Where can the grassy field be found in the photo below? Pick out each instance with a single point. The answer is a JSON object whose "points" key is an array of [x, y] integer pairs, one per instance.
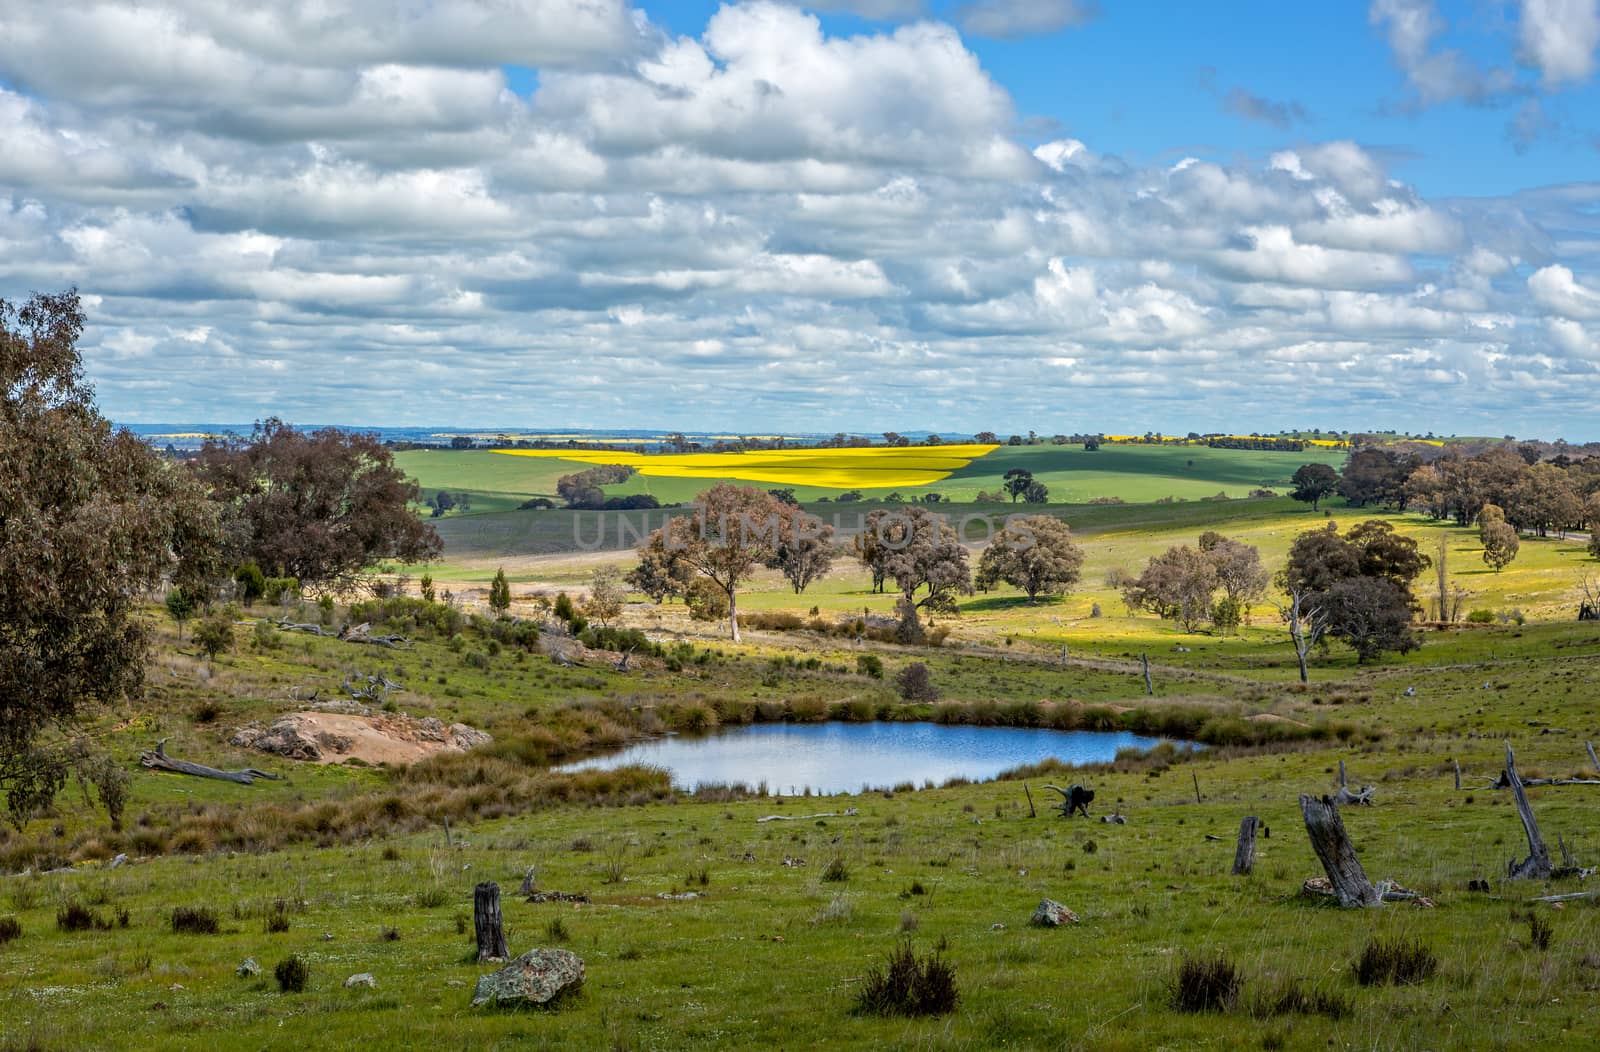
{"points": [[773, 955]]}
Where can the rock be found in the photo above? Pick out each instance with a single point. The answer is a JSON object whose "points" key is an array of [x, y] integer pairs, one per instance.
{"points": [[361, 979], [997, 926], [1051, 914], [537, 977], [327, 936], [469, 737], [248, 969], [119, 860], [286, 737]]}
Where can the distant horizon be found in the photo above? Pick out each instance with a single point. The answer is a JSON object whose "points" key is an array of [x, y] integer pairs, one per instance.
{"points": [[147, 428]]}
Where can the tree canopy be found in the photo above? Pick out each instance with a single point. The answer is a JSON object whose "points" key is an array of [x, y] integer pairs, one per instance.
{"points": [[319, 506], [91, 519], [1035, 553]]}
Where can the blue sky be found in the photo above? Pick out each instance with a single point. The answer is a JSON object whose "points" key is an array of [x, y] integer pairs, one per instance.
{"points": [[978, 214]]}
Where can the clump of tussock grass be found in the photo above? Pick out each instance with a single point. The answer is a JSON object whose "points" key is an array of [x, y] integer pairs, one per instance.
{"points": [[556, 930], [1297, 997], [836, 870], [1540, 930], [1205, 983], [193, 920], [75, 916], [10, 929], [1397, 961], [909, 985], [292, 975]]}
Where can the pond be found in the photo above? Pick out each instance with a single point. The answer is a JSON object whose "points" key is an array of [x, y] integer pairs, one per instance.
{"points": [[847, 757]]}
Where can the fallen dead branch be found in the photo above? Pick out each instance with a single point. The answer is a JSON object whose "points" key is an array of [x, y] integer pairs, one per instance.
{"points": [[160, 761]]}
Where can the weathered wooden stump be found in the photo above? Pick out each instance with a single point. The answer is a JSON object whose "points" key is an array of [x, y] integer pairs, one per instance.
{"points": [[1244, 856], [1332, 845], [1537, 865], [488, 923]]}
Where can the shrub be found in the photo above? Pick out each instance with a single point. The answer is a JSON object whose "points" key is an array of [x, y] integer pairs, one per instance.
{"points": [[869, 665], [1205, 984], [10, 928], [915, 683], [193, 920], [214, 636], [1395, 961], [908, 985], [291, 973], [1481, 617]]}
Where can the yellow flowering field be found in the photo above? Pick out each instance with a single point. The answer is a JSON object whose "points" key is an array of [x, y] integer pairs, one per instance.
{"points": [[865, 468]]}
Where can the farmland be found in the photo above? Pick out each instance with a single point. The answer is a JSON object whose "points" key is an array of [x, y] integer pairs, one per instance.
{"points": [[1133, 473], [701, 929]]}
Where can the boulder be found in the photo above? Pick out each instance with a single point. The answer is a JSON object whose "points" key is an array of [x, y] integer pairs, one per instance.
{"points": [[536, 978], [248, 969], [469, 737], [286, 737], [366, 979], [1051, 914]]}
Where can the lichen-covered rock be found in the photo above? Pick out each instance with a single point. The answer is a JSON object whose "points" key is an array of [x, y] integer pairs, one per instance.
{"points": [[366, 979], [536, 978], [248, 969], [1051, 914]]}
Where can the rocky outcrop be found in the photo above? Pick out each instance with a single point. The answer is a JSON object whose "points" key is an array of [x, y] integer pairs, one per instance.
{"points": [[328, 736], [538, 977]]}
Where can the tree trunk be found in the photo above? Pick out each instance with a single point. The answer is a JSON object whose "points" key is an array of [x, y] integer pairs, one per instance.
{"points": [[733, 616], [1338, 857], [1244, 856], [488, 923], [1149, 688], [1537, 865]]}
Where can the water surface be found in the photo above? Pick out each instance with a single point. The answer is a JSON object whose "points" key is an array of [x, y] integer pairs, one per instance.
{"points": [[845, 757]]}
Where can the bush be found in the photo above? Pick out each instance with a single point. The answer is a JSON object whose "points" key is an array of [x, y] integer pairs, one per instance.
{"points": [[1394, 961], [706, 600], [291, 973], [915, 683], [193, 920], [10, 928], [869, 665], [1205, 984], [1481, 617], [907, 985], [214, 636]]}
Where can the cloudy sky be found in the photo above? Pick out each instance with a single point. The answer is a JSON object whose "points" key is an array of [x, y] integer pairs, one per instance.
{"points": [[870, 214]]}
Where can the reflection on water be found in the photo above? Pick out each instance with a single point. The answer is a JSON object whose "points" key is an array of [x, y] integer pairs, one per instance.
{"points": [[846, 757]]}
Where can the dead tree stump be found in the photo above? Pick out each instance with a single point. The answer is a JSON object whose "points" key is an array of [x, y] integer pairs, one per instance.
{"points": [[1338, 857], [1537, 865], [1244, 856], [488, 923]]}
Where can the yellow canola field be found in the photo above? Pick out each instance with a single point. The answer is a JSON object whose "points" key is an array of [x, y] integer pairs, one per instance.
{"points": [[879, 467]]}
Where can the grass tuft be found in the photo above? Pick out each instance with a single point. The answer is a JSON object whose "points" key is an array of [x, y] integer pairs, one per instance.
{"points": [[909, 985], [1396, 961], [1205, 983]]}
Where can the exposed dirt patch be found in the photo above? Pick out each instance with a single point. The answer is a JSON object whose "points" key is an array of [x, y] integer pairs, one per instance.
{"points": [[372, 737]]}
